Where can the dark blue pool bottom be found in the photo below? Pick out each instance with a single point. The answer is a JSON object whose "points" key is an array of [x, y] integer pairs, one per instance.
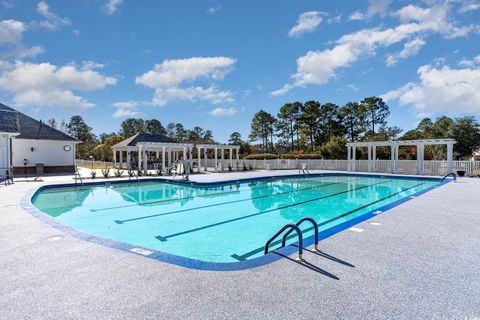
{"points": [[27, 205]]}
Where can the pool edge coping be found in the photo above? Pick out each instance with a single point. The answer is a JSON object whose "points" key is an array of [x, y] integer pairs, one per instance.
{"points": [[27, 205]]}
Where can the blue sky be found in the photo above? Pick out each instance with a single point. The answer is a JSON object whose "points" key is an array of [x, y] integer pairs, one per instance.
{"points": [[216, 63]]}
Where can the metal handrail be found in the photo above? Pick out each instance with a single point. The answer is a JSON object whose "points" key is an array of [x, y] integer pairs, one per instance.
{"points": [[299, 234], [315, 228], [450, 174], [77, 174], [9, 174], [133, 173]]}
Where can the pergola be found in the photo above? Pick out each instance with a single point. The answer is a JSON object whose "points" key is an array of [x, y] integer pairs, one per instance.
{"points": [[394, 148], [169, 151], [216, 148]]}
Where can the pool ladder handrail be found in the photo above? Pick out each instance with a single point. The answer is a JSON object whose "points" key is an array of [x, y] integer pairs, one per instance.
{"points": [[77, 176], [454, 176], [132, 173], [315, 229], [290, 226], [303, 168]]}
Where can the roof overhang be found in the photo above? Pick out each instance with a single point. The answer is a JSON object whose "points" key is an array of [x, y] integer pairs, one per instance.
{"points": [[401, 143]]}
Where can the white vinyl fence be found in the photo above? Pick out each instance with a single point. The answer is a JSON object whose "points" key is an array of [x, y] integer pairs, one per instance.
{"points": [[434, 168]]}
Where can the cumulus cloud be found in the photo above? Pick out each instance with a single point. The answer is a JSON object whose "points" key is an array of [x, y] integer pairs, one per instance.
{"points": [[357, 16], [318, 67], [44, 84], [307, 22], [112, 6], [411, 48], [169, 78], [213, 10], [219, 112], [468, 6], [11, 37], [127, 109], [374, 7], [441, 89], [52, 21], [470, 62]]}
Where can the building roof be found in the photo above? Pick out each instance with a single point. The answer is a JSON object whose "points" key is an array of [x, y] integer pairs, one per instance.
{"points": [[29, 128], [144, 137]]}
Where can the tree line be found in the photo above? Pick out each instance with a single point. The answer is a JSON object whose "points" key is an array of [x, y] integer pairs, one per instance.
{"points": [[324, 129]]}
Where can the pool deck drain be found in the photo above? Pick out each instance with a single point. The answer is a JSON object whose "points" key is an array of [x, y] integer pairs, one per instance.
{"points": [[421, 264]]}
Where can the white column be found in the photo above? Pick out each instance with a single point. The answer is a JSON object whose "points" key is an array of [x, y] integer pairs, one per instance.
{"points": [[163, 158], [216, 158], [128, 159], [190, 158], [354, 158], [374, 156], [185, 153], [238, 153], [157, 154], [169, 156], [392, 158], [139, 158], [205, 164], [145, 163], [349, 155], [420, 156], [222, 155], [121, 156], [395, 163], [369, 164], [198, 155], [231, 157], [115, 156], [449, 157]]}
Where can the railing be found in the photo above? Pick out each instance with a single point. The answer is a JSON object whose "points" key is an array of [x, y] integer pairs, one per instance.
{"points": [[93, 164], [6, 174], [454, 176], [77, 176], [299, 234], [315, 229]]}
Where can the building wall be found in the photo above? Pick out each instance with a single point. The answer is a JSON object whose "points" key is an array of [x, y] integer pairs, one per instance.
{"points": [[50, 153]]}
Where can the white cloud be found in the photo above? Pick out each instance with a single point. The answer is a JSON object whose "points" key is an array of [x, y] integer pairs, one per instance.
{"points": [[219, 112], [112, 6], [470, 62], [213, 10], [52, 21], [124, 113], [307, 22], [318, 67], [11, 37], [44, 84], [127, 109], [127, 104], [411, 48], [378, 7], [357, 16], [441, 89], [168, 77], [468, 6]]}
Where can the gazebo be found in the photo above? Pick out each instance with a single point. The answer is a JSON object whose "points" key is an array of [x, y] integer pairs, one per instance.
{"points": [[143, 148], [394, 148], [145, 151]]}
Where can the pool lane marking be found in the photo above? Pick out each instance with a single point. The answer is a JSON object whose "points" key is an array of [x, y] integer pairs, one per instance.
{"points": [[255, 251], [268, 184], [165, 238], [230, 202]]}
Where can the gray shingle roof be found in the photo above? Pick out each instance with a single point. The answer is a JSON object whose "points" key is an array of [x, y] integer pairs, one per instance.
{"points": [[144, 137], [29, 128]]}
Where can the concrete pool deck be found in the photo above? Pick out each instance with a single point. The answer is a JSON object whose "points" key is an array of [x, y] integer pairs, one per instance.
{"points": [[423, 261]]}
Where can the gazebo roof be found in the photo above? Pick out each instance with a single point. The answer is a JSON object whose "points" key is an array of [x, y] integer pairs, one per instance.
{"points": [[144, 138]]}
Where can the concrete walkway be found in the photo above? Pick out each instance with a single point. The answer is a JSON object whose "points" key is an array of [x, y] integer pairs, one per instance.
{"points": [[422, 262]]}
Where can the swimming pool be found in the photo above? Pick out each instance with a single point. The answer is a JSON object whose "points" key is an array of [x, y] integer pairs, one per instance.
{"points": [[220, 223]]}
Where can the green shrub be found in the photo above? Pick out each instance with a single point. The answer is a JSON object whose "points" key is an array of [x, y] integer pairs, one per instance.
{"points": [[93, 174], [300, 156], [261, 156], [118, 173], [159, 170]]}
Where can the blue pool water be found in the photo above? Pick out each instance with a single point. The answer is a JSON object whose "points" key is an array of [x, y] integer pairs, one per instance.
{"points": [[219, 223]]}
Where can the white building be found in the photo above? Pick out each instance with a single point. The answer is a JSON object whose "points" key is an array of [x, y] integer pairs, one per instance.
{"points": [[27, 144]]}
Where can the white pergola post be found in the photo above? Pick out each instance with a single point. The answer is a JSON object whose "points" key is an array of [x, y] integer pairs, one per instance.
{"points": [[128, 159], [216, 158], [121, 157], [231, 157], [420, 156], [205, 159], [237, 155], [374, 157], [190, 159], [450, 157], [222, 155], [163, 159], [198, 155], [397, 148], [139, 158], [349, 156], [169, 156], [354, 158], [392, 158], [369, 166], [115, 157], [145, 163], [184, 153]]}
